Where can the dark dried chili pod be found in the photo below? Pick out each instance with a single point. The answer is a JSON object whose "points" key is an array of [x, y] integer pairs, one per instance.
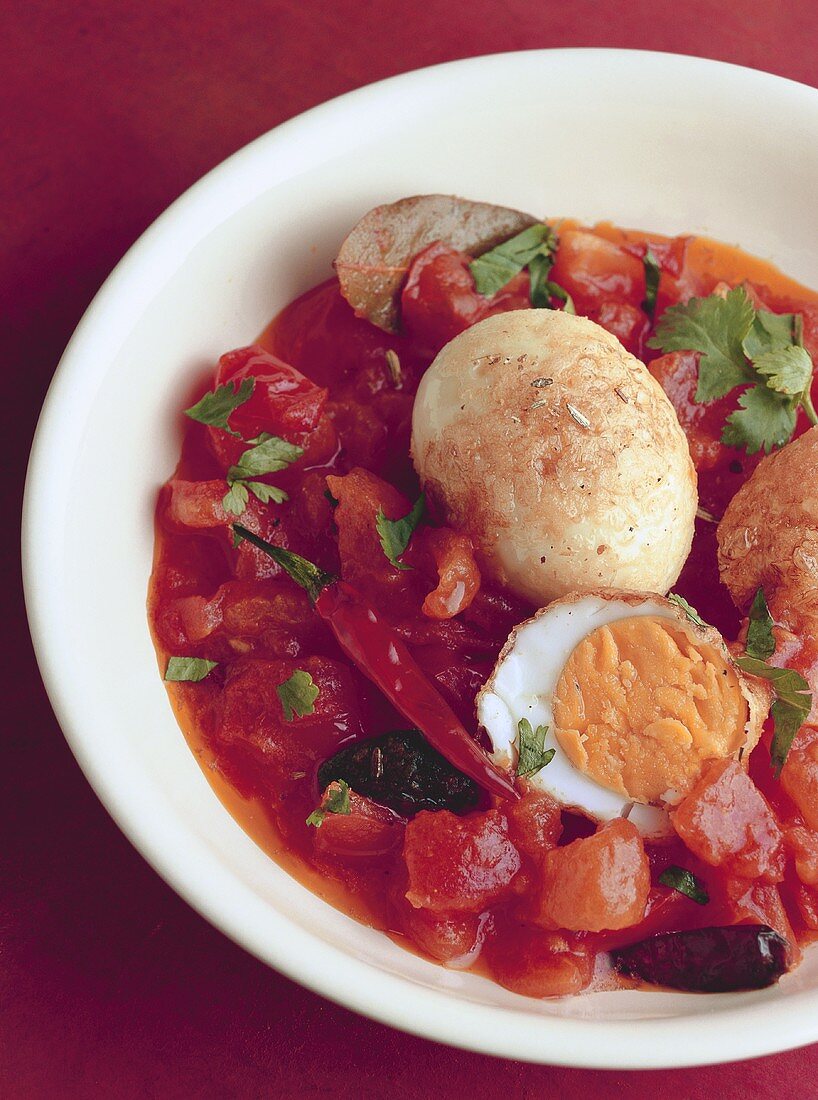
{"points": [[708, 960], [401, 770]]}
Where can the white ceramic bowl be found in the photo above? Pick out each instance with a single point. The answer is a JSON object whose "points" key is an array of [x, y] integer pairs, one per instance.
{"points": [[650, 140]]}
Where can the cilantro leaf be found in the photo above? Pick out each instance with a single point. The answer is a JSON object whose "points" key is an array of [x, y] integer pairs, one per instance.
{"points": [[265, 493], [792, 704], [531, 745], [335, 801], [652, 275], [396, 533], [770, 332], [269, 455], [495, 269], [716, 327], [760, 640], [192, 669], [543, 289], [689, 610], [297, 695], [215, 408], [236, 498], [787, 370], [677, 878], [763, 421]]}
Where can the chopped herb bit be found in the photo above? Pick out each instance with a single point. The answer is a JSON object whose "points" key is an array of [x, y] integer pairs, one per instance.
{"points": [[265, 493], [708, 517], [578, 416], [741, 346], [652, 274], [677, 878], [305, 573], [396, 533], [531, 746], [793, 702], [394, 367], [297, 695], [215, 408], [193, 669], [335, 801], [541, 383], [688, 609], [543, 290], [235, 499], [760, 640], [496, 268], [269, 455]]}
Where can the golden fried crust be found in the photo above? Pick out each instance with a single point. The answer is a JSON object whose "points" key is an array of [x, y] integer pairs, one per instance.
{"points": [[558, 453], [769, 534]]}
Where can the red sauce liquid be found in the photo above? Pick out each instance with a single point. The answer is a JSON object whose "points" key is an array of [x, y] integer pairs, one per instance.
{"points": [[208, 599]]}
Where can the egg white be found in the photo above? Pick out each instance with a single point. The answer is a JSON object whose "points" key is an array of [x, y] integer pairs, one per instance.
{"points": [[523, 685]]}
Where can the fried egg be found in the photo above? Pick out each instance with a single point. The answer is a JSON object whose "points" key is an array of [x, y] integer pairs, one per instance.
{"points": [[637, 698]]}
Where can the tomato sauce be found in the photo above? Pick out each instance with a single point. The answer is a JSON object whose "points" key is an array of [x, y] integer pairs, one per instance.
{"points": [[342, 390]]}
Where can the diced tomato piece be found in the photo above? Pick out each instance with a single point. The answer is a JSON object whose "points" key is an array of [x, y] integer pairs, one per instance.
{"points": [[752, 903], [539, 964], [596, 882], [458, 573], [252, 714], [799, 776], [459, 864], [448, 937], [197, 504], [806, 898], [802, 845], [628, 323], [534, 823], [594, 270], [439, 298], [283, 403], [726, 821], [367, 830]]}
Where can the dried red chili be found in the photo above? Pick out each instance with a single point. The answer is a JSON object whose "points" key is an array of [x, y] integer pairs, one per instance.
{"points": [[380, 654]]}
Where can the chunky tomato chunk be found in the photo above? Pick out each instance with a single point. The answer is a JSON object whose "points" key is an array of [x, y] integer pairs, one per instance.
{"points": [[454, 938], [283, 403], [802, 845], [367, 830], [629, 324], [458, 574], [459, 864], [799, 776], [596, 882], [535, 823], [726, 821], [539, 964], [594, 270], [440, 300]]}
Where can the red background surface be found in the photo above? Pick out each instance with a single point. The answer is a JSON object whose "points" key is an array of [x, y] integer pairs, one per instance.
{"points": [[109, 984]]}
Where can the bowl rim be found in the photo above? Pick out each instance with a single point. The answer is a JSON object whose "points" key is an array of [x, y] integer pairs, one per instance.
{"points": [[755, 1028]]}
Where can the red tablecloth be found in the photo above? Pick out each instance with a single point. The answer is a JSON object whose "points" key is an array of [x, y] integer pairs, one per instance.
{"points": [[109, 984]]}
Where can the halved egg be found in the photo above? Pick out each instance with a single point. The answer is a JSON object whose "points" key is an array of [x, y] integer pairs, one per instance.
{"points": [[637, 698]]}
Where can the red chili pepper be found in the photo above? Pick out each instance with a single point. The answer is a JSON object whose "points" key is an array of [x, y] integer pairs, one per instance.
{"points": [[381, 655]]}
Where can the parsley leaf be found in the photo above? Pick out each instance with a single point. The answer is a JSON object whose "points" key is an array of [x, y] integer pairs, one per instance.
{"points": [[188, 668], [396, 533], [215, 408], [690, 611], [677, 878], [716, 327], [297, 695], [793, 702], [495, 269], [266, 493], [532, 753], [335, 801], [763, 421], [235, 499], [760, 640], [269, 455], [652, 275]]}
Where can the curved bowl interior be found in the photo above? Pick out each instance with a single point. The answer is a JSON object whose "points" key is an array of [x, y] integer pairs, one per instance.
{"points": [[648, 140]]}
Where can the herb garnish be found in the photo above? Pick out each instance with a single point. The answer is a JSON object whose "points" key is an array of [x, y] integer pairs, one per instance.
{"points": [[742, 346], [396, 533], [652, 274], [297, 695], [192, 669], [760, 641], [689, 610], [394, 367], [677, 878], [531, 746], [335, 801], [793, 702], [534, 248], [268, 455], [215, 408]]}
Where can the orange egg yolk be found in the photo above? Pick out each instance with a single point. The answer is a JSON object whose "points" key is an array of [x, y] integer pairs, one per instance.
{"points": [[642, 704]]}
